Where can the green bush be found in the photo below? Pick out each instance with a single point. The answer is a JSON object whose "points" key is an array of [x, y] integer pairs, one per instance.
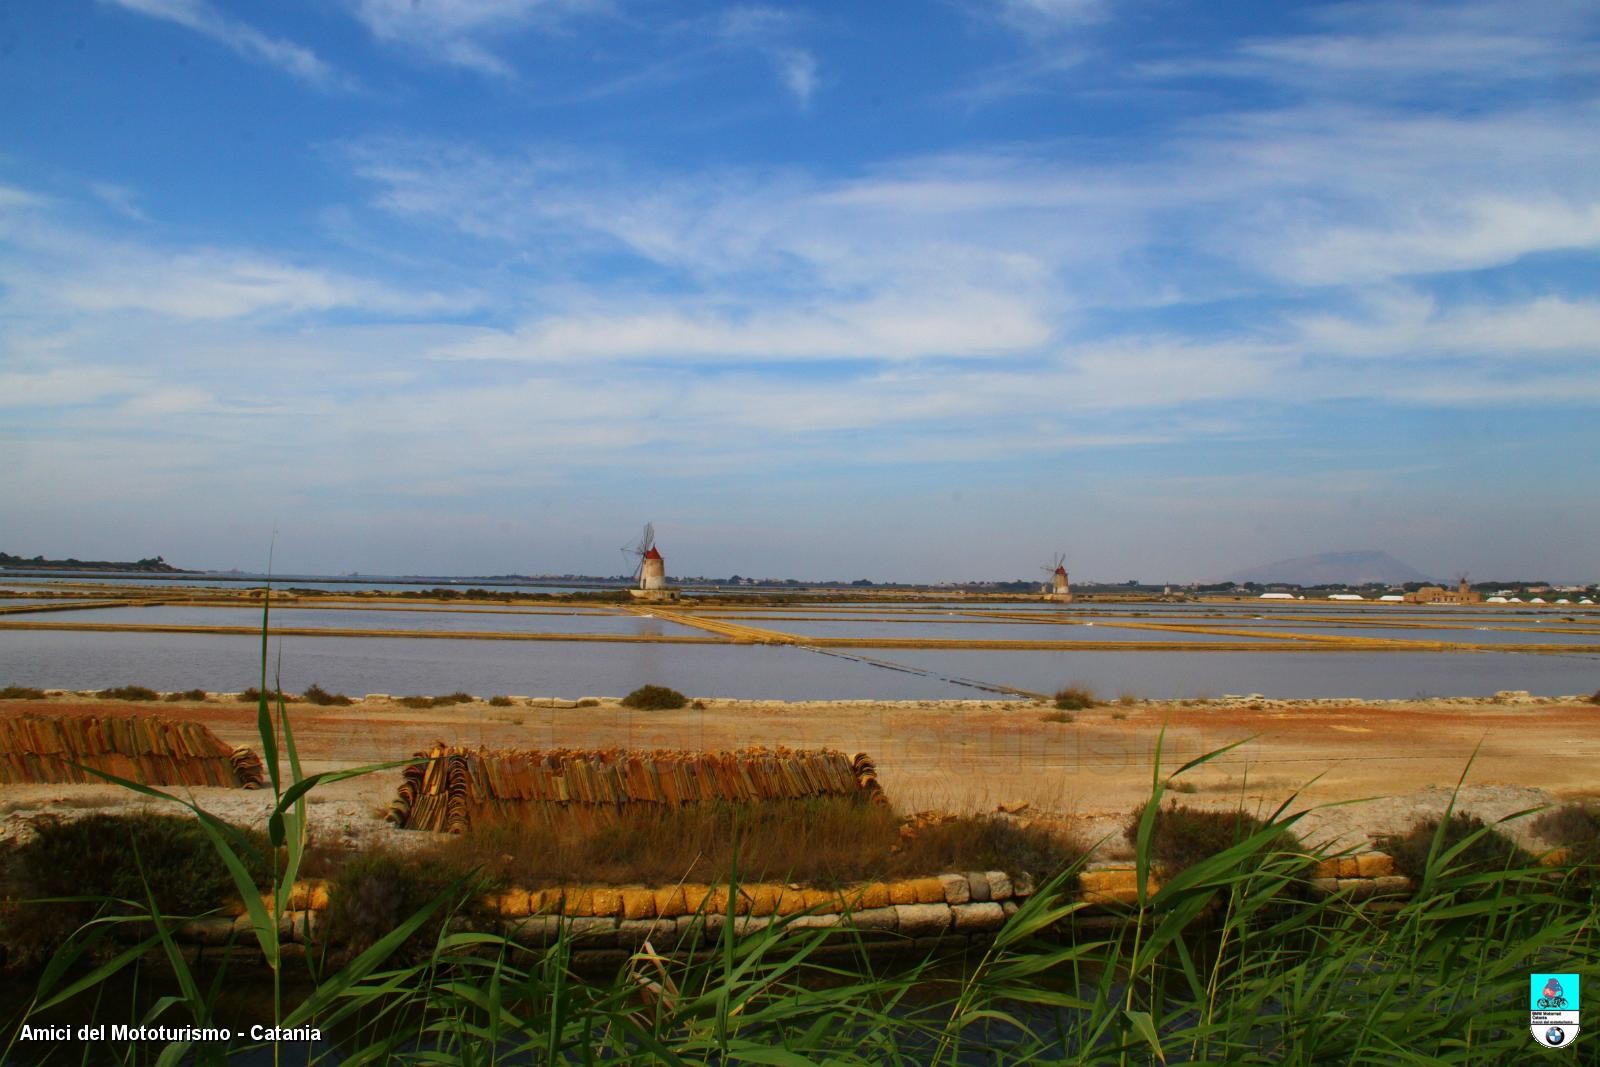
{"points": [[654, 698], [378, 889], [1490, 850], [21, 692], [434, 702], [315, 694], [187, 694], [113, 857], [1575, 827], [1183, 836], [1075, 697], [128, 692]]}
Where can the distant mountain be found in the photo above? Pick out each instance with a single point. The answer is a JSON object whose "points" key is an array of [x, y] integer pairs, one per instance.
{"points": [[1334, 568]]}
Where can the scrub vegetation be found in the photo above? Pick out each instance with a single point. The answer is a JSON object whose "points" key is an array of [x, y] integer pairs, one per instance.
{"points": [[654, 698], [129, 692], [1076, 697]]}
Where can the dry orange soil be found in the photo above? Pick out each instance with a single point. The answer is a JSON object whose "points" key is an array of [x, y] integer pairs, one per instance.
{"points": [[1399, 759]]}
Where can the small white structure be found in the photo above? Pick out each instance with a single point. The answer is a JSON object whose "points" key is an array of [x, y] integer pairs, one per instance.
{"points": [[653, 575], [1497, 600], [1563, 600], [1392, 598], [1276, 596], [1346, 596], [1059, 588], [1586, 600], [1537, 600]]}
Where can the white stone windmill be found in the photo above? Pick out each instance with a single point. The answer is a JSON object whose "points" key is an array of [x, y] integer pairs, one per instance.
{"points": [[650, 574], [1056, 586]]}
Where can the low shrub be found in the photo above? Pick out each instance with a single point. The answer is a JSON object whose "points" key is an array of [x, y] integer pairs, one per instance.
{"points": [[1075, 697], [654, 698], [501, 702], [21, 692], [1490, 850], [1183, 836], [378, 889], [1174, 785], [1127, 700], [187, 694], [587, 702], [990, 843], [1057, 716], [434, 702], [1596, 698], [113, 857], [315, 694], [1575, 827], [128, 692]]}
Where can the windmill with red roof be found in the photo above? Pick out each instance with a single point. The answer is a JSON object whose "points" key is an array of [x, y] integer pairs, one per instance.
{"points": [[650, 574]]}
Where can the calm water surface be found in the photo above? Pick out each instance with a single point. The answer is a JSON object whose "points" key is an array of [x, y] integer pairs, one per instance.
{"points": [[323, 618], [85, 660]]}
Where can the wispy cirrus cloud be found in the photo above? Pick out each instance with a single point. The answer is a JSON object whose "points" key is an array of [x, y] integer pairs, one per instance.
{"points": [[775, 34], [199, 16], [463, 32], [51, 264], [1381, 50]]}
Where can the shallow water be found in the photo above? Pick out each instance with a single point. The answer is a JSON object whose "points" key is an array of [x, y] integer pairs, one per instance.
{"points": [[969, 630], [89, 660], [86, 660], [1372, 675], [358, 619]]}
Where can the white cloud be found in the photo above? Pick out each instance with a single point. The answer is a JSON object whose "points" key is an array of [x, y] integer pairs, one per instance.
{"points": [[215, 284], [243, 38], [1412, 325], [64, 386], [1368, 50], [797, 69], [888, 328], [1453, 235], [458, 32], [49, 265], [1047, 16]]}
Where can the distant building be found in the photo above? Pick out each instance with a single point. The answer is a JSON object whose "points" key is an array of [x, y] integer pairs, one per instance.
{"points": [[1060, 587], [1438, 594], [653, 575]]}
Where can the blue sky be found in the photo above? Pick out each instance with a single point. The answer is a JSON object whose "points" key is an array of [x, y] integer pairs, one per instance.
{"points": [[904, 291]]}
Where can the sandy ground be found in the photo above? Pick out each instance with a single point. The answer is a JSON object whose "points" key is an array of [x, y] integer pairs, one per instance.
{"points": [[1394, 760]]}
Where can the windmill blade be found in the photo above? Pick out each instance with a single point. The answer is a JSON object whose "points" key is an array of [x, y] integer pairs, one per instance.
{"points": [[648, 541]]}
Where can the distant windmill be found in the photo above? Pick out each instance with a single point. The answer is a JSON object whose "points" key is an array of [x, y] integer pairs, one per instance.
{"points": [[1056, 586], [650, 573]]}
